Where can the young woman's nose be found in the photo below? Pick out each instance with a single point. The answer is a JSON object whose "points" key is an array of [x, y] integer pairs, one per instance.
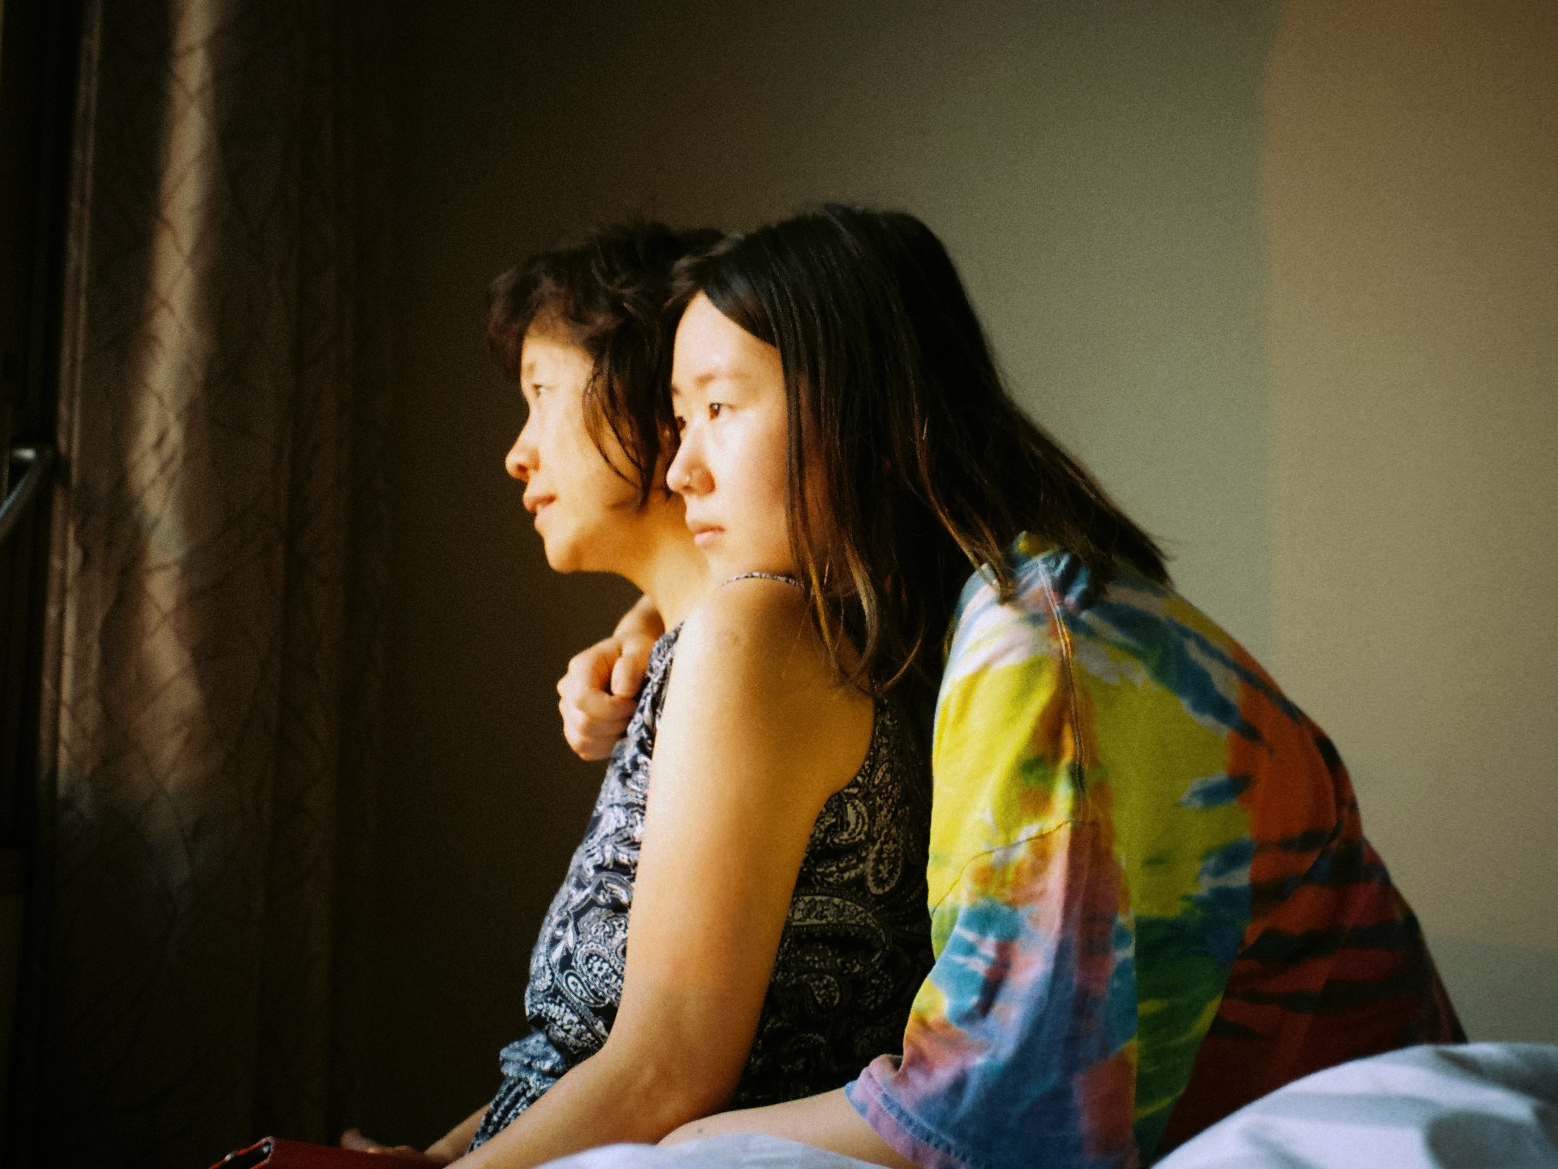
{"points": [[687, 474], [521, 459]]}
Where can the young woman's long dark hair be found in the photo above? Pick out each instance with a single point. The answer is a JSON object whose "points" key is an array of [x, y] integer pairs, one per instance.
{"points": [[607, 294], [931, 468]]}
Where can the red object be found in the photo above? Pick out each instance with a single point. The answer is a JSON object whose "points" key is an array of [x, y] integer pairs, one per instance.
{"points": [[275, 1153]]}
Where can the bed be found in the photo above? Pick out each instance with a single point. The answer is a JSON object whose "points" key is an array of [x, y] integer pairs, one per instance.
{"points": [[1472, 1106]]}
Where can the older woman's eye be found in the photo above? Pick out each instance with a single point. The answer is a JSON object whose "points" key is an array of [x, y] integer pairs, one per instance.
{"points": [[680, 423], [715, 409]]}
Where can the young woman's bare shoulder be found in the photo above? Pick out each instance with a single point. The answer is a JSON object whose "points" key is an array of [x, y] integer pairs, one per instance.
{"points": [[756, 626], [753, 605], [750, 669]]}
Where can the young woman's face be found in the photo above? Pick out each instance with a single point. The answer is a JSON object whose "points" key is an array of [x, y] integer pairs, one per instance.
{"points": [[727, 389], [584, 510]]}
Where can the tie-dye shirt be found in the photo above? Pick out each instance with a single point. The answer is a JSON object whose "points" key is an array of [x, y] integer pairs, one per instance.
{"points": [[1152, 900]]}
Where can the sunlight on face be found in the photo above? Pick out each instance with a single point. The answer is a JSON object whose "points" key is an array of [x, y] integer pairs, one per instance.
{"points": [[584, 510], [727, 389]]}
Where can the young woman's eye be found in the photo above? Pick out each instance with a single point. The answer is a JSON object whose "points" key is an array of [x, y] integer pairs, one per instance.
{"points": [[715, 409], [681, 423]]}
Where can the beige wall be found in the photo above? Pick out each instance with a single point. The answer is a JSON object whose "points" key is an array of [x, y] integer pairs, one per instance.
{"points": [[1097, 170], [1411, 177]]}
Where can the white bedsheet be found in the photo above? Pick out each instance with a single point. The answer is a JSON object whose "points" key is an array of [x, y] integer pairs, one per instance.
{"points": [[1477, 1106], [737, 1151]]}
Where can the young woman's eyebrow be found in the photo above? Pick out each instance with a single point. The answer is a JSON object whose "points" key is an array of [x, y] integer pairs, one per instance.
{"points": [[708, 377], [680, 389]]}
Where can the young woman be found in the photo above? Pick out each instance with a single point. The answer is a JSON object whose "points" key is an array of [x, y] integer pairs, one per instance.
{"points": [[764, 819], [1152, 897]]}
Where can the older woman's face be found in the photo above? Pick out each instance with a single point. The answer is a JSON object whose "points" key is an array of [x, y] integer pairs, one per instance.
{"points": [[584, 511]]}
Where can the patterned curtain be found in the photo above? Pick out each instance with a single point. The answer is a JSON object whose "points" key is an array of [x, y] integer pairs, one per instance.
{"points": [[216, 591]]}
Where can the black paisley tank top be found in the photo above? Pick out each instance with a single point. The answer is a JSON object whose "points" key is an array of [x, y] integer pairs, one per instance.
{"points": [[854, 949]]}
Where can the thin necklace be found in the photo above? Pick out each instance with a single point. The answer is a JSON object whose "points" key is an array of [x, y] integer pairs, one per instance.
{"points": [[783, 578]]}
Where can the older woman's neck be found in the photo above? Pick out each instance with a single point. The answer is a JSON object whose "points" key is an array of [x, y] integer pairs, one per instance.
{"points": [[672, 572]]}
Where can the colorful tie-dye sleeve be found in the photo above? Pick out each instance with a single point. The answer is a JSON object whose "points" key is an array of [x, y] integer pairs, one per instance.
{"points": [[1014, 1055], [1024, 1031], [1151, 895]]}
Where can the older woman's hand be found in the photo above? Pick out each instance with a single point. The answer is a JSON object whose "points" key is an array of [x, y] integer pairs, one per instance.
{"points": [[597, 695]]}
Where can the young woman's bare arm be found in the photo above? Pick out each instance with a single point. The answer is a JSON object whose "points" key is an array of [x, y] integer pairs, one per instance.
{"points": [[825, 1122], [454, 1142], [735, 790]]}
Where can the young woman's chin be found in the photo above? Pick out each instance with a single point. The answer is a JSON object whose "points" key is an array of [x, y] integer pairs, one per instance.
{"points": [[728, 554]]}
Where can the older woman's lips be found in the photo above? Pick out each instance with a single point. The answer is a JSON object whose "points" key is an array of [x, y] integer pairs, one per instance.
{"points": [[536, 504]]}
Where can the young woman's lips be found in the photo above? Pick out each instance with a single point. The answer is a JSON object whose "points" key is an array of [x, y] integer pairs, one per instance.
{"points": [[702, 534]]}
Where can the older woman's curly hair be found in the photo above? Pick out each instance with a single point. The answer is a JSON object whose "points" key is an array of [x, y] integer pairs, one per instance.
{"points": [[609, 296]]}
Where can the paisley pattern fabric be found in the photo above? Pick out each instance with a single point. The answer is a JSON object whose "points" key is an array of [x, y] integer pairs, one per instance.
{"points": [[1153, 900], [853, 951]]}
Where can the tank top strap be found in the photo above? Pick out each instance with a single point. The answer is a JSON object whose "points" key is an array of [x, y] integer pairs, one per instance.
{"points": [[781, 577]]}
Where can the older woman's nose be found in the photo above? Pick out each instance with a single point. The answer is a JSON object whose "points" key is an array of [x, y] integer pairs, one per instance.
{"points": [[520, 461]]}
